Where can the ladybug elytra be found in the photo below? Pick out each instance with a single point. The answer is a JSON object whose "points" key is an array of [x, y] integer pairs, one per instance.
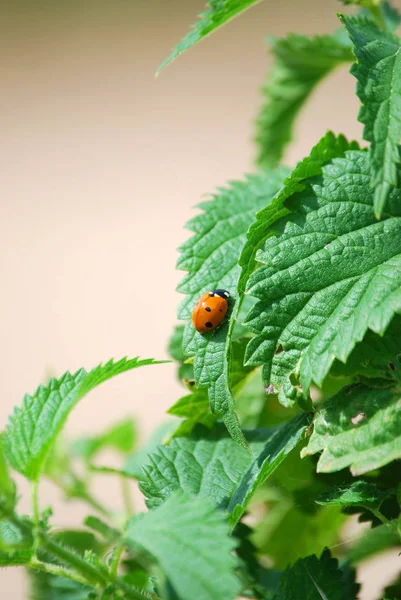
{"points": [[210, 310]]}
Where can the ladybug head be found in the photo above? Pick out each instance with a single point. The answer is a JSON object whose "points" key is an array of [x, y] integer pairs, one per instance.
{"points": [[222, 293]]}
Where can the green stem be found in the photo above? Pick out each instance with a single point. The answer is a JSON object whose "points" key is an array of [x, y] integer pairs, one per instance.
{"points": [[376, 12], [38, 565], [115, 561], [89, 572], [127, 498], [379, 515], [35, 514], [70, 492]]}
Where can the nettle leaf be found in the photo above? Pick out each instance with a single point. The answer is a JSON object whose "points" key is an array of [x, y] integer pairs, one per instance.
{"points": [[326, 149], [209, 464], [49, 587], [300, 63], [194, 408], [358, 428], [16, 543], [376, 360], [378, 72], [329, 273], [216, 14], [211, 259], [189, 539], [175, 350], [358, 493], [133, 466], [317, 579], [110, 534], [33, 428], [283, 440]]}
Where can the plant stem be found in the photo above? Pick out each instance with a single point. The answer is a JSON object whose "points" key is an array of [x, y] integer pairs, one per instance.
{"points": [[84, 495], [89, 572], [127, 498], [376, 12], [379, 515], [35, 514], [115, 561], [55, 570]]}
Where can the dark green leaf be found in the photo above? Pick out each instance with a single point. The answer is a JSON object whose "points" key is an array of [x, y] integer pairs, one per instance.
{"points": [[189, 539], [378, 72], [216, 14], [315, 578], [359, 493], [359, 427], [284, 439], [33, 428], [300, 63], [49, 587], [329, 273]]}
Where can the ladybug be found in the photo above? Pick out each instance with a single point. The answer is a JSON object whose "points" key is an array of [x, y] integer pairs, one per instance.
{"points": [[210, 310]]}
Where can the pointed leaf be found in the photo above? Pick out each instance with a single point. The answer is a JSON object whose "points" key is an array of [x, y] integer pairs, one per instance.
{"points": [[189, 539], [8, 496], [211, 259], [216, 14], [358, 493], [33, 428], [300, 63], [378, 72], [316, 579], [358, 428], [330, 271], [284, 439], [209, 464]]}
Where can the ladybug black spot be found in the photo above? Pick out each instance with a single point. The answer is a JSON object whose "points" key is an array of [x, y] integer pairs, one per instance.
{"points": [[209, 324], [208, 309]]}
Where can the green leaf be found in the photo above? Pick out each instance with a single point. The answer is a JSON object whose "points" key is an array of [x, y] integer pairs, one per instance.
{"points": [[194, 408], [211, 259], [216, 14], [209, 464], [50, 587], [326, 149], [316, 579], [329, 273], [358, 493], [175, 350], [284, 439], [120, 437], [375, 360], [16, 543], [189, 539], [300, 63], [8, 496], [33, 428], [359, 427], [378, 72]]}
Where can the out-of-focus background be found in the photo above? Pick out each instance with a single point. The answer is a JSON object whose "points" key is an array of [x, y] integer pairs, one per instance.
{"points": [[101, 166]]}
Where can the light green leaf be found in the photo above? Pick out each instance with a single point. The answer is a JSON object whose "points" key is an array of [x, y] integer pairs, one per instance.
{"points": [[175, 350], [8, 496], [120, 437], [189, 539], [194, 408], [209, 464], [211, 259], [216, 14], [16, 543], [300, 63], [358, 493], [33, 428], [50, 587], [358, 428], [330, 271], [284, 439], [378, 72], [316, 579]]}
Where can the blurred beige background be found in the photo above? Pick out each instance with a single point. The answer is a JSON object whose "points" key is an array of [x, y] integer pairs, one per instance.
{"points": [[101, 165]]}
